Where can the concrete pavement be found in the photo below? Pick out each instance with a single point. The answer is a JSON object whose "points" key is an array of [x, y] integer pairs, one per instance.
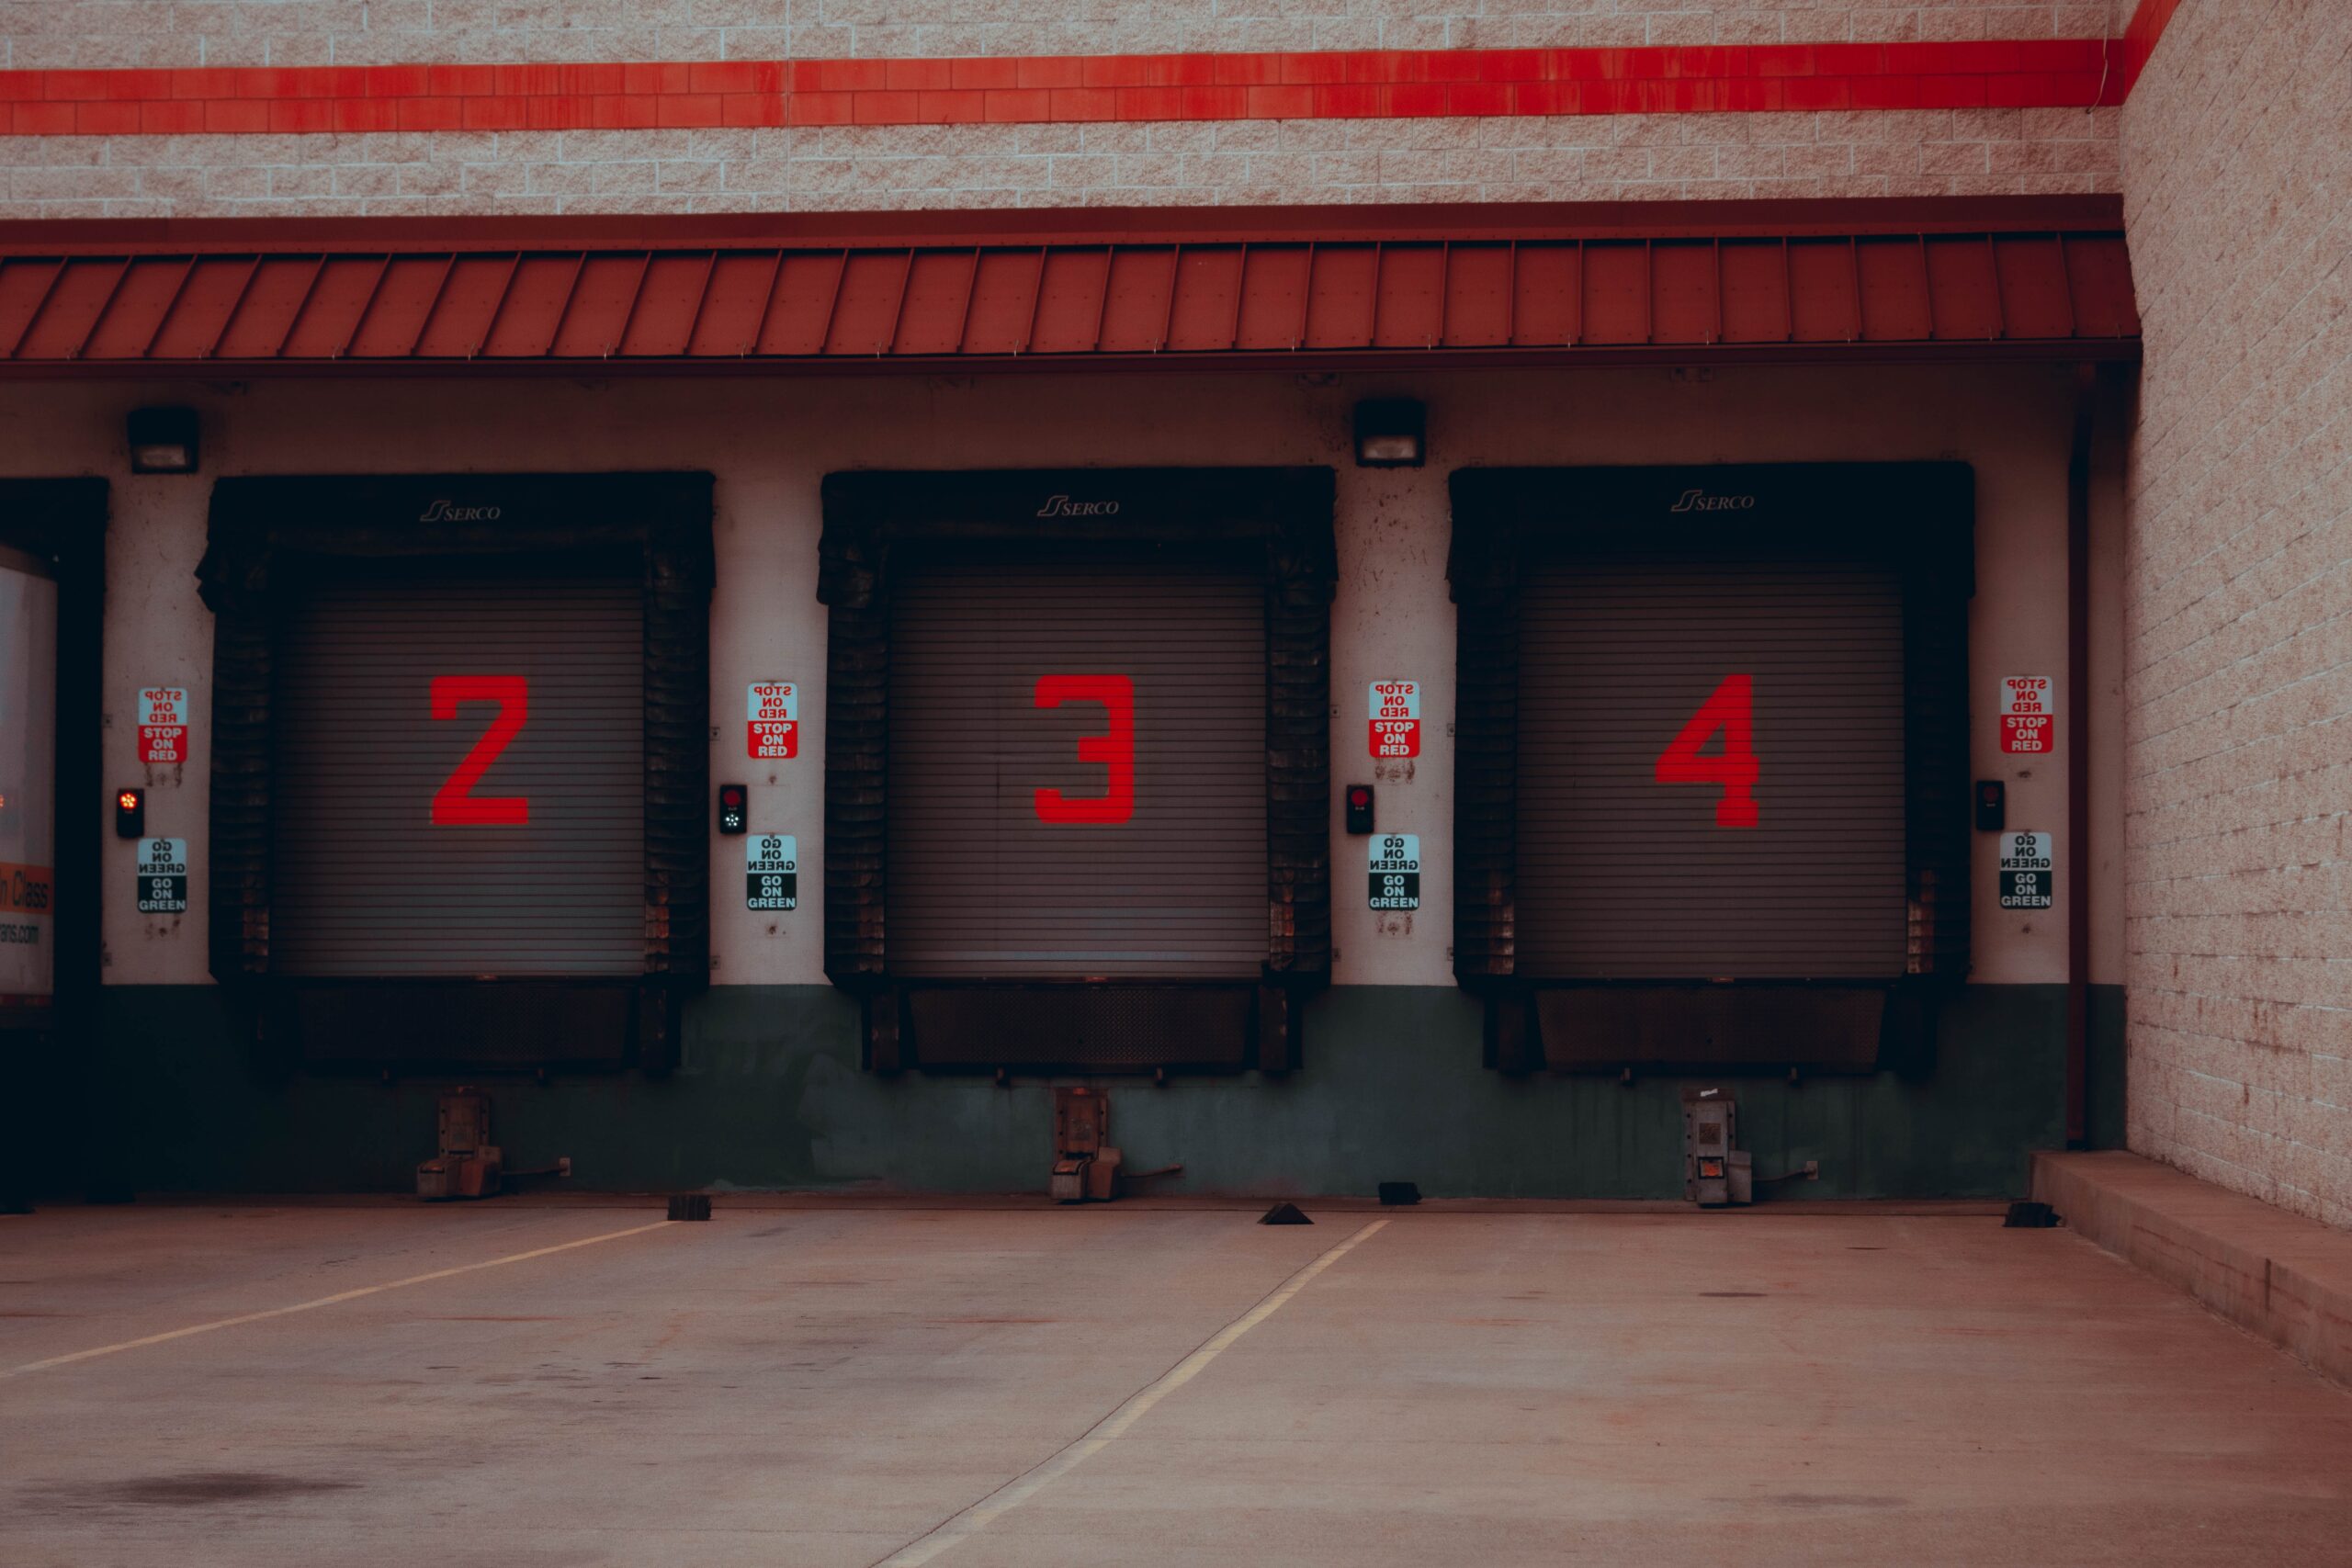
{"points": [[820, 1386]]}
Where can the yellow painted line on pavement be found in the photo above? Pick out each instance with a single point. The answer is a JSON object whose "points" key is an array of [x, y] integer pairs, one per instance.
{"points": [[334, 1300], [1027, 1485]]}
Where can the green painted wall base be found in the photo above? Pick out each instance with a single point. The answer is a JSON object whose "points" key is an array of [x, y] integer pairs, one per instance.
{"points": [[768, 1094]]}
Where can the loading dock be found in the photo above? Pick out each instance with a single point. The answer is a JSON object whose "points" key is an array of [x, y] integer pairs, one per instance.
{"points": [[1716, 739], [460, 778], [52, 574], [1077, 780]]}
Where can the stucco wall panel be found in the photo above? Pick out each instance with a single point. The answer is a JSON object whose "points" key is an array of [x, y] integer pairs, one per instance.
{"points": [[157, 632], [2238, 575]]}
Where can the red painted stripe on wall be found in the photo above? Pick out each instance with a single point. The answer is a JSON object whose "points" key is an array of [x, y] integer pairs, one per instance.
{"points": [[2140, 36], [1371, 85]]}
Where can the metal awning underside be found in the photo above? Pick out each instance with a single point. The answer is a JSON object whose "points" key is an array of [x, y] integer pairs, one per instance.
{"points": [[1378, 288]]}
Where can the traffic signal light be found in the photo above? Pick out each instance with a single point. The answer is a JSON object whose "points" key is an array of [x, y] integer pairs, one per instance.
{"points": [[1992, 805]]}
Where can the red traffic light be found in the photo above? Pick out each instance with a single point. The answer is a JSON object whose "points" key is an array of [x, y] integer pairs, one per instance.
{"points": [[130, 814], [1992, 804], [1359, 800]]}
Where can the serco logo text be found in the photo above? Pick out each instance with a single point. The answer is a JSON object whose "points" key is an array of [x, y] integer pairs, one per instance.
{"points": [[442, 511], [1063, 506], [1700, 500]]}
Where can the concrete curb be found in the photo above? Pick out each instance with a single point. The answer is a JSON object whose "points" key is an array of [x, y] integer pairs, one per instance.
{"points": [[2286, 1278]]}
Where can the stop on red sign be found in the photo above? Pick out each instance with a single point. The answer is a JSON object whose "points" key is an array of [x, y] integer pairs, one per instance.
{"points": [[162, 724], [773, 715], [2027, 715], [1395, 718]]}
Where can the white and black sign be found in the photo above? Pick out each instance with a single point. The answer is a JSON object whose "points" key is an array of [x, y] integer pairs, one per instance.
{"points": [[163, 876], [772, 872], [1397, 870], [2029, 873]]}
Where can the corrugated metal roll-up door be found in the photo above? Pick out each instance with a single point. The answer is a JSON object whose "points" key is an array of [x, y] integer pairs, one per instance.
{"points": [[980, 884], [391, 862], [1624, 875], [27, 779]]}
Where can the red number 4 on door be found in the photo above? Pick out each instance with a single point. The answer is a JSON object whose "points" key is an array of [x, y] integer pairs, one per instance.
{"points": [[1731, 709]]}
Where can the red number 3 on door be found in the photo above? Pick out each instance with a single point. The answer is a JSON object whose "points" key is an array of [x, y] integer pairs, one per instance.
{"points": [[455, 804], [1730, 708], [1116, 748]]}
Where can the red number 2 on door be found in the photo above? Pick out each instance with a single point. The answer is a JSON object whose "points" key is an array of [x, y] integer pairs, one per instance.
{"points": [[455, 802], [1731, 709]]}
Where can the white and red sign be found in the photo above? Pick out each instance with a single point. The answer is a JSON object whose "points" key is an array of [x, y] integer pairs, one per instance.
{"points": [[162, 724], [1395, 718], [773, 715], [2028, 715]]}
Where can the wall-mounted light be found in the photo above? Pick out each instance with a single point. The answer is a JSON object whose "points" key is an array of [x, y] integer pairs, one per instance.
{"points": [[1391, 432], [163, 441]]}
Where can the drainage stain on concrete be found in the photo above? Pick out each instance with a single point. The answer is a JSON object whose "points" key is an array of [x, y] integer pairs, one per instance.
{"points": [[188, 1489]]}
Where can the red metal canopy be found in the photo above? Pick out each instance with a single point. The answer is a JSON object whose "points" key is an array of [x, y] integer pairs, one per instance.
{"points": [[1435, 286]]}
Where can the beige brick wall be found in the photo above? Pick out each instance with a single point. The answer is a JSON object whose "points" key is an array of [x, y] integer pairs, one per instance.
{"points": [[1941, 152], [1935, 152], [107, 34], [2238, 622]]}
